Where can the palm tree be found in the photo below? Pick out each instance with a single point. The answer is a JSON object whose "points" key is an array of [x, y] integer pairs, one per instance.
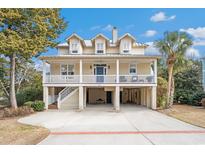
{"points": [[173, 47]]}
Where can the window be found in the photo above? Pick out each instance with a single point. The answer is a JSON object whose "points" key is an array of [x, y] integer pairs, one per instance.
{"points": [[100, 48], [67, 69], [132, 68], [126, 47], [74, 47]]}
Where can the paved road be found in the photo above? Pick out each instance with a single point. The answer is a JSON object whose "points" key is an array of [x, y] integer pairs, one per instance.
{"points": [[100, 125]]}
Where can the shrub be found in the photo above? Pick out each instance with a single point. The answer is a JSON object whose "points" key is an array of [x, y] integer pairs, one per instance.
{"points": [[188, 86], [38, 105], [21, 111], [161, 92], [29, 94], [29, 103]]}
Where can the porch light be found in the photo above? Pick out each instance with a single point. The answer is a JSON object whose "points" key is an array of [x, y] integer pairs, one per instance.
{"points": [[108, 66], [90, 66]]}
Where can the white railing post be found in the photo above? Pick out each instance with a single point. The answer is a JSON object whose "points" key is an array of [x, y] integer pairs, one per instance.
{"points": [[117, 70], [81, 71], [155, 71]]}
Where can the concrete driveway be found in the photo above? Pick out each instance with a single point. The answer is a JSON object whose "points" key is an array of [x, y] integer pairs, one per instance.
{"points": [[98, 124]]}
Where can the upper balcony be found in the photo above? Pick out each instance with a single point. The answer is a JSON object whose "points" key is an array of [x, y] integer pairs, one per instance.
{"points": [[100, 79], [101, 71]]}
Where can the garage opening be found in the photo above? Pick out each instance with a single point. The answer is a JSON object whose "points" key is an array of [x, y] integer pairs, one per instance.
{"points": [[99, 96], [130, 96]]}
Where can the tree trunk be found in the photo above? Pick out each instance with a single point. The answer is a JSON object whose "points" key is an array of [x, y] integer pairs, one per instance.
{"points": [[172, 93], [12, 92], [170, 76]]}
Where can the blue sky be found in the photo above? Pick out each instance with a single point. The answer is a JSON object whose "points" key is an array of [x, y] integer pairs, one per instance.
{"points": [[147, 25]]}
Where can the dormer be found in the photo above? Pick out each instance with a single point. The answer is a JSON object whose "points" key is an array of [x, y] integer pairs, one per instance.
{"points": [[100, 43], [75, 44], [126, 43]]}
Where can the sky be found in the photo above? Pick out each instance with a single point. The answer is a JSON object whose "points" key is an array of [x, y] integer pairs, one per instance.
{"points": [[147, 25]]}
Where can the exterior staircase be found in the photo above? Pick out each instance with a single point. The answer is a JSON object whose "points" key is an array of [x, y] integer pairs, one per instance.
{"points": [[68, 98]]}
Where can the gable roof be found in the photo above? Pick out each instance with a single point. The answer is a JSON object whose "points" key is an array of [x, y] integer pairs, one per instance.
{"points": [[74, 35], [127, 34], [100, 34]]}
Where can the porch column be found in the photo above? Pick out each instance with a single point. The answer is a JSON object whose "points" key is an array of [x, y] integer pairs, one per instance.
{"points": [[117, 70], [148, 97], [45, 96], [44, 71], [84, 96], [153, 98], [117, 98], [81, 97], [155, 71], [81, 71]]}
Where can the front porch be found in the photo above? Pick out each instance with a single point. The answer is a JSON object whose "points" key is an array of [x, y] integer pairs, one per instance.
{"points": [[98, 71]]}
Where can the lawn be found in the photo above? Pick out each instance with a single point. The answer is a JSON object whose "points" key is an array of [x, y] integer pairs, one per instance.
{"points": [[12, 132], [190, 114]]}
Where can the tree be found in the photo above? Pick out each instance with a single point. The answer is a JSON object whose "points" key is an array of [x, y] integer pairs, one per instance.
{"points": [[25, 33], [173, 47], [188, 83]]}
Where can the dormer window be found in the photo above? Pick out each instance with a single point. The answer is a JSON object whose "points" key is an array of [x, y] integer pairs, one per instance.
{"points": [[126, 47], [100, 48], [74, 48]]}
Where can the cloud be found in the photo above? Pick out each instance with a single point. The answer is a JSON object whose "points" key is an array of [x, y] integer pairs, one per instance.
{"points": [[150, 33], [198, 32], [161, 16], [107, 28], [192, 53], [199, 43], [95, 27], [151, 50]]}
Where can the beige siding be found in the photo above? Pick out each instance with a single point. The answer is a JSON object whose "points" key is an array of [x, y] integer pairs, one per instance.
{"points": [[87, 70], [112, 70], [113, 50], [143, 69], [124, 68], [55, 69], [63, 50], [99, 94], [137, 50]]}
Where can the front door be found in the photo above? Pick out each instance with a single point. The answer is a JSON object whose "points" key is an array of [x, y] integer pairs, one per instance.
{"points": [[109, 97], [100, 74]]}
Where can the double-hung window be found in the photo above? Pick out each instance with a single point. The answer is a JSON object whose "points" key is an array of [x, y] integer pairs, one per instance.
{"points": [[133, 69], [67, 69], [126, 47], [74, 47], [100, 48]]}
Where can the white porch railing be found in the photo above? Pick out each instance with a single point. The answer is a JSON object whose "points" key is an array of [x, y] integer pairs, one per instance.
{"points": [[62, 78], [73, 79], [136, 79], [99, 78]]}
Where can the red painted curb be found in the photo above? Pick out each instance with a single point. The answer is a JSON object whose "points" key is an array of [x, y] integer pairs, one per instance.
{"points": [[131, 132]]}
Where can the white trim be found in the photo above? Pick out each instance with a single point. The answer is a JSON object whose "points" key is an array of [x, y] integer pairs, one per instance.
{"points": [[100, 34], [127, 34], [72, 35]]}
